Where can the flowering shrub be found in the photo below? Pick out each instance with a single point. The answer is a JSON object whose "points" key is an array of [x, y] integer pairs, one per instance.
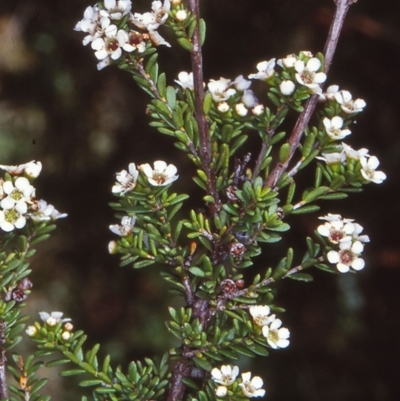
{"points": [[248, 199]]}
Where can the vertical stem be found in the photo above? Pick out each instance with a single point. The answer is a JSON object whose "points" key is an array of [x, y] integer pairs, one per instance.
{"points": [[342, 6], [3, 377], [204, 138]]}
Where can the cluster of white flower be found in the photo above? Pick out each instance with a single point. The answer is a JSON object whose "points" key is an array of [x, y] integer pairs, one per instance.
{"points": [[276, 336], [347, 155], [333, 128], [17, 198], [51, 320], [345, 235], [226, 376], [109, 40], [159, 176]]}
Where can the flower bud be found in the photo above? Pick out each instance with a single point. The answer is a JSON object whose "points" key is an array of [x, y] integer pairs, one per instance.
{"points": [[287, 87], [31, 331], [241, 109], [66, 335], [181, 15], [112, 247], [221, 391], [223, 107]]}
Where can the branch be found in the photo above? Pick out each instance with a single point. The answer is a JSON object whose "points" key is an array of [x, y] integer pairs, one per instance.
{"points": [[342, 6], [3, 375], [204, 138]]}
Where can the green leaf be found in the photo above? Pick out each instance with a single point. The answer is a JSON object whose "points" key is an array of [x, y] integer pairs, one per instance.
{"points": [[171, 97], [306, 209], [161, 84], [196, 271], [301, 277], [202, 363], [185, 44], [89, 383], [202, 29]]}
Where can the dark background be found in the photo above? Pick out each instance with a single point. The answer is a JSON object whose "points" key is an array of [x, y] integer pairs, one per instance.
{"points": [[86, 125]]}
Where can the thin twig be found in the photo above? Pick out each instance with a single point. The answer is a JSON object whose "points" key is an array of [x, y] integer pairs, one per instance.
{"points": [[3, 375], [342, 6], [204, 138]]}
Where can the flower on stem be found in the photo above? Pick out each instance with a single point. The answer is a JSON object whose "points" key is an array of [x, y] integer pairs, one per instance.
{"points": [[266, 69], [132, 40], [277, 336], [185, 80], [308, 76], [348, 105], [333, 158], [347, 256], [151, 21], [287, 87], [241, 83], [126, 180], [288, 62], [127, 223], [354, 154], [92, 24], [369, 165], [336, 229], [42, 211], [333, 128], [260, 314], [249, 99], [53, 318], [109, 45], [18, 192], [252, 387], [221, 391], [161, 175], [330, 93], [226, 375], [31, 169], [220, 89]]}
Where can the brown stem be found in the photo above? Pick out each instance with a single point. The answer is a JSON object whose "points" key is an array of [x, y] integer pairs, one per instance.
{"points": [[204, 138], [342, 6], [3, 376]]}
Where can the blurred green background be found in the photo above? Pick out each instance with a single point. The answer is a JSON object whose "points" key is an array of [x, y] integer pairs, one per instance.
{"points": [[85, 125]]}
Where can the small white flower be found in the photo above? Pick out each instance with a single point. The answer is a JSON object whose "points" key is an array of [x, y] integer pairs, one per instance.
{"points": [[21, 191], [348, 105], [66, 335], [241, 83], [226, 375], [185, 80], [241, 109], [220, 90], [347, 256], [354, 154], [308, 76], [109, 45], [42, 211], [221, 391], [131, 41], [116, 9], [181, 15], [333, 128], [330, 93], [13, 218], [288, 62], [91, 24], [33, 169], [223, 107], [249, 99], [336, 229], [31, 331], [333, 158], [369, 165], [266, 69], [287, 87], [258, 110], [161, 175], [152, 20], [277, 336], [127, 223], [260, 314], [157, 39], [252, 387], [126, 181], [53, 318]]}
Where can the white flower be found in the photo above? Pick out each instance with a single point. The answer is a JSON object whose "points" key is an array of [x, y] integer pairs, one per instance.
{"points": [[354, 154], [220, 89], [109, 45], [333, 158], [161, 175], [66, 335], [337, 229], [333, 128], [223, 107], [31, 331], [103, 63], [258, 110], [369, 165], [265, 70], [249, 99], [287, 87], [185, 80], [53, 318], [21, 191], [116, 9], [131, 41], [91, 24], [226, 375], [308, 76], [126, 181], [157, 39], [221, 391], [181, 15], [42, 211], [288, 62], [241, 83], [241, 109], [277, 336], [252, 388], [260, 314], [330, 93], [31, 169], [152, 20], [125, 228], [348, 105], [13, 218], [347, 256]]}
